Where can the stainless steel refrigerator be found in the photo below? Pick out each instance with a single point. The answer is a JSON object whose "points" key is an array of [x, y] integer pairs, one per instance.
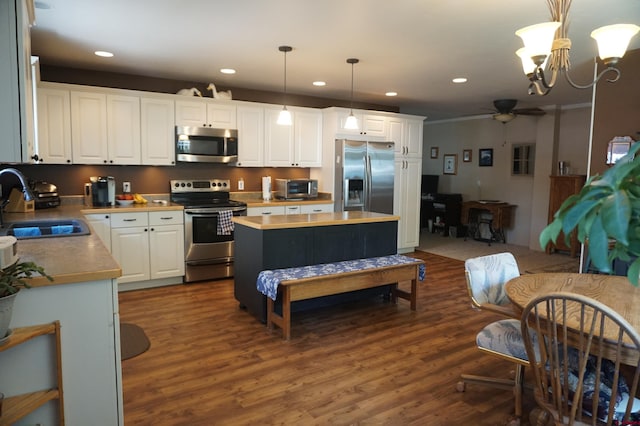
{"points": [[364, 176]]}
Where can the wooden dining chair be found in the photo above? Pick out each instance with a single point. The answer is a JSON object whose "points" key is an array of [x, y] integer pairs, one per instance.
{"points": [[577, 361], [486, 277]]}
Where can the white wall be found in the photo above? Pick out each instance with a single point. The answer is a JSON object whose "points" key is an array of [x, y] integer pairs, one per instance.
{"points": [[559, 134]]}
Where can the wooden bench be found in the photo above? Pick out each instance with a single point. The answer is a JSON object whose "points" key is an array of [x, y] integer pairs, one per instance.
{"points": [[325, 285]]}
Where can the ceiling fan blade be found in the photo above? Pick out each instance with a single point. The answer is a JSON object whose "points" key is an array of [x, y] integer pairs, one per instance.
{"points": [[529, 111]]}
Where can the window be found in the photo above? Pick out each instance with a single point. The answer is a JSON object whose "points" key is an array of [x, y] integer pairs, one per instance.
{"points": [[522, 159]]}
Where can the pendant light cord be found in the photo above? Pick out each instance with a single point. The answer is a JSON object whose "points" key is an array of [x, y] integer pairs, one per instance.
{"points": [[352, 61], [285, 49]]}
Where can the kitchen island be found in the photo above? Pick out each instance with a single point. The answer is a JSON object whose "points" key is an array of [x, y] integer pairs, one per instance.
{"points": [[83, 297], [284, 241]]}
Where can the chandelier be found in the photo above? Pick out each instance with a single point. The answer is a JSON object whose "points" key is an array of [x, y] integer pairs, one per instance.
{"points": [[547, 45]]}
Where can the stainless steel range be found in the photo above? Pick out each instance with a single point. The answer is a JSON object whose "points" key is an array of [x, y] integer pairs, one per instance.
{"points": [[208, 252]]}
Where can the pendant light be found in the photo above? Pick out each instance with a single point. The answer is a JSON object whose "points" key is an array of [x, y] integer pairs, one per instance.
{"points": [[352, 121], [284, 118]]}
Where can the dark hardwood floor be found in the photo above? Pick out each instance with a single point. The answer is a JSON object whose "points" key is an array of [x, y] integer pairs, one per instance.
{"points": [[363, 363]]}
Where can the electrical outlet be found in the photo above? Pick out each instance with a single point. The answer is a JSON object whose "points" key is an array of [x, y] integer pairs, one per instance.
{"points": [[241, 185], [126, 186]]}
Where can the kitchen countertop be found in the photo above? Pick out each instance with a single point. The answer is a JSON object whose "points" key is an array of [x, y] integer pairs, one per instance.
{"points": [[77, 258], [312, 219]]}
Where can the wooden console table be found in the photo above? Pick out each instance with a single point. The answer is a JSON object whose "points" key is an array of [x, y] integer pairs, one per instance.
{"points": [[501, 213]]}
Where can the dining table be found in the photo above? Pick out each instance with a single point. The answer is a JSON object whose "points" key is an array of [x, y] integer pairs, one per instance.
{"points": [[614, 291]]}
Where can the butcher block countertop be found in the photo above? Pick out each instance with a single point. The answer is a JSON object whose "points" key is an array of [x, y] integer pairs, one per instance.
{"points": [[72, 259], [312, 219]]}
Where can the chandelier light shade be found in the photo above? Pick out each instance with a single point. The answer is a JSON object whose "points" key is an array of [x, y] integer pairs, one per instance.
{"points": [[352, 121], [284, 119], [547, 44]]}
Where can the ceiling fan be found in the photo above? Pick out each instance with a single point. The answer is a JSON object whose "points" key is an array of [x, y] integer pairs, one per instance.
{"points": [[505, 110]]}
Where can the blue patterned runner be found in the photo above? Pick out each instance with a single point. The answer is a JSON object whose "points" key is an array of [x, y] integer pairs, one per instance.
{"points": [[268, 280]]}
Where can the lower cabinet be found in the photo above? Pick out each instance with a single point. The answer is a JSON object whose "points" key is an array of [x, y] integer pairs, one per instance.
{"points": [[147, 245], [406, 200]]}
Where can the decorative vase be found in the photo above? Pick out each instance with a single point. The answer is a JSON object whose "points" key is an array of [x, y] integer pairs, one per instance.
{"points": [[6, 308]]}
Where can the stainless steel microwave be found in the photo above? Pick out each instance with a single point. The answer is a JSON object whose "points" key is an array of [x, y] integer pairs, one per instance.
{"points": [[296, 189], [206, 145]]}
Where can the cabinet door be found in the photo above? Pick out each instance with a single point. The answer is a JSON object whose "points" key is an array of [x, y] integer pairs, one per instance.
{"points": [[123, 129], [89, 128], [191, 113], [279, 151], [395, 134], [406, 200], [374, 125], [413, 138], [157, 132], [101, 224], [250, 136], [308, 138], [221, 116], [54, 126], [130, 248], [166, 255]]}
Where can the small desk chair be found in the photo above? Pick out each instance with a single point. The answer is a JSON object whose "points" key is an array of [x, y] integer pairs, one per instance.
{"points": [[572, 376], [486, 277]]}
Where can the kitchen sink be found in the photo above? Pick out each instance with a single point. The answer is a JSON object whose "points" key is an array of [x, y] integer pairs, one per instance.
{"points": [[45, 228]]}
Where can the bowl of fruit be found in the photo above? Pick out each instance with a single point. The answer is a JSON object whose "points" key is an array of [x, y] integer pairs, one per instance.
{"points": [[124, 199]]}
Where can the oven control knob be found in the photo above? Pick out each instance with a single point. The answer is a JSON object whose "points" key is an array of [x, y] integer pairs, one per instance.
{"points": [[189, 184]]}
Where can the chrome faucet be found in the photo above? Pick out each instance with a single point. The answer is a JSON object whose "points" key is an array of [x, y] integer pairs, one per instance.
{"points": [[26, 191]]}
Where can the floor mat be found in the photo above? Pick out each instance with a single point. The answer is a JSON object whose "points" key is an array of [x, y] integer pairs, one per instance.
{"points": [[133, 341]]}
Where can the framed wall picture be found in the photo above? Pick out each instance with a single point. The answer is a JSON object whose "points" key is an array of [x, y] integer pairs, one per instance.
{"points": [[434, 152], [466, 155], [450, 165], [485, 157]]}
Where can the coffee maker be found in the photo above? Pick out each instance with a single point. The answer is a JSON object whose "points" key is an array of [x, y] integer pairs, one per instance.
{"points": [[103, 191]]}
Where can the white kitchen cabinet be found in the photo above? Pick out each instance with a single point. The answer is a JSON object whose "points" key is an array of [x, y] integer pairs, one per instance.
{"points": [[16, 103], [369, 124], [206, 113], [271, 210], [54, 126], [250, 120], [101, 224], [413, 137], [406, 200], [130, 245], [148, 246], [123, 129], [299, 145], [316, 208], [89, 127], [157, 131], [166, 244]]}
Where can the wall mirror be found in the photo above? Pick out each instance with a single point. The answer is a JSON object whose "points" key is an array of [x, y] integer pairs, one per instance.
{"points": [[522, 159]]}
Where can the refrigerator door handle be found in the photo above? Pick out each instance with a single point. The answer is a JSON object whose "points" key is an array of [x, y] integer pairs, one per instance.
{"points": [[368, 183]]}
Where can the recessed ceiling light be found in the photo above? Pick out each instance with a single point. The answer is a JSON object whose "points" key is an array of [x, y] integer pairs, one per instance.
{"points": [[319, 83], [227, 71], [103, 54], [459, 80], [391, 94]]}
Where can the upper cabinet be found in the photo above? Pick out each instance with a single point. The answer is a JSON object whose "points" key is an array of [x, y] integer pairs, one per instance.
{"points": [[206, 113], [371, 125], [250, 135], [123, 129], [54, 126], [157, 131], [89, 128], [298, 145], [16, 80]]}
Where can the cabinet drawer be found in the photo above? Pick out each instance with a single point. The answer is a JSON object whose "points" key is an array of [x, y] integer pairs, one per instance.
{"points": [[126, 220], [292, 209], [258, 211], [166, 217], [316, 208]]}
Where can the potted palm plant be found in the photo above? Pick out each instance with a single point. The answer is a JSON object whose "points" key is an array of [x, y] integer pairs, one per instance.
{"points": [[12, 279], [606, 215]]}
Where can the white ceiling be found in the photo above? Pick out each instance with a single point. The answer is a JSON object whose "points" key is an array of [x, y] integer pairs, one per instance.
{"points": [[413, 47]]}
